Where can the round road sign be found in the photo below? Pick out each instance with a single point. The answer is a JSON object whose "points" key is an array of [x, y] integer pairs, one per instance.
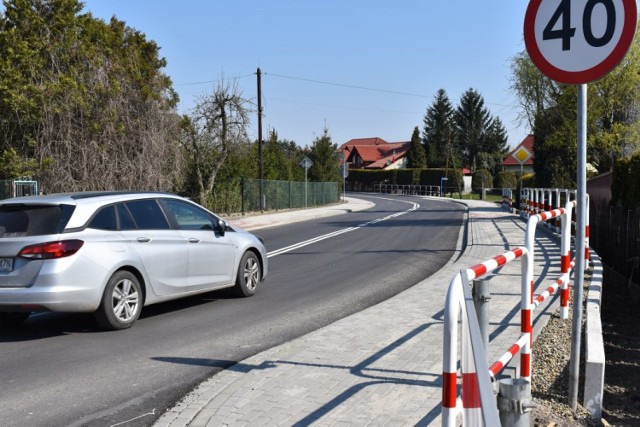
{"points": [[577, 41]]}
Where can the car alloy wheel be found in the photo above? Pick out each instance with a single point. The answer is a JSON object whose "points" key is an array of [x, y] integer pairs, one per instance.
{"points": [[125, 300], [121, 302], [248, 275]]}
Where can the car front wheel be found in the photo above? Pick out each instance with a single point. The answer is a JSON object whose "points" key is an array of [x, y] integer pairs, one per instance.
{"points": [[248, 275], [121, 302]]}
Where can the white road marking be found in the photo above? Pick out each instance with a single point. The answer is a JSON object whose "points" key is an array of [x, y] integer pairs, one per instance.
{"points": [[343, 231]]}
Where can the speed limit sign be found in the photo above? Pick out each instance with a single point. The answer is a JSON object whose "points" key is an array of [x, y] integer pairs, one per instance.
{"points": [[577, 41]]}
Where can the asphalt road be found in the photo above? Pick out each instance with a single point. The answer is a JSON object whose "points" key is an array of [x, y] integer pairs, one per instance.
{"points": [[61, 369]]}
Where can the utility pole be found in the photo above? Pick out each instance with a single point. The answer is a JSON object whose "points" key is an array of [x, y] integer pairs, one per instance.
{"points": [[453, 162], [260, 169], [446, 166]]}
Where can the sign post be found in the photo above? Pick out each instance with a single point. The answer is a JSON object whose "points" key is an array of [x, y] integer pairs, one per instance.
{"points": [[442, 180], [576, 42], [344, 173], [305, 163], [522, 155]]}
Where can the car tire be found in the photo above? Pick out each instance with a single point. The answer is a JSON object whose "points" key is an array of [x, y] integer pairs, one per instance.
{"points": [[249, 275], [121, 302], [13, 318]]}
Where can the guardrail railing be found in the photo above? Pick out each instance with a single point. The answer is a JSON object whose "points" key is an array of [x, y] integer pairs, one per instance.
{"points": [[477, 403]]}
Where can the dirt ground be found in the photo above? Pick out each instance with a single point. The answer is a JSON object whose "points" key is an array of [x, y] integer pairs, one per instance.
{"points": [[621, 329], [620, 314]]}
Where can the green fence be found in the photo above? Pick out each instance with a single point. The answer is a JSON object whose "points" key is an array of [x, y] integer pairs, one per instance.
{"points": [[17, 188], [287, 194]]}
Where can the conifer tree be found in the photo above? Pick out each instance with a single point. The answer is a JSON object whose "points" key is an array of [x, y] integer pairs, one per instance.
{"points": [[437, 128], [416, 157]]}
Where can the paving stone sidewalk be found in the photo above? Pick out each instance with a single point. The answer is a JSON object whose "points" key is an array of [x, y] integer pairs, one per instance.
{"points": [[381, 366]]}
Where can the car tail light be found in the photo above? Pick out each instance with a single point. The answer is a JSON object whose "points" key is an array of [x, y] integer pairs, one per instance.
{"points": [[51, 250]]}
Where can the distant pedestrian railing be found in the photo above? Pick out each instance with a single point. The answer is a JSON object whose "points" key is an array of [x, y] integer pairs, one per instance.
{"points": [[507, 199], [419, 190], [537, 200]]}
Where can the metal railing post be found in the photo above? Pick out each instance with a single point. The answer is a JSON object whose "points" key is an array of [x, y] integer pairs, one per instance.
{"points": [[481, 297], [514, 402]]}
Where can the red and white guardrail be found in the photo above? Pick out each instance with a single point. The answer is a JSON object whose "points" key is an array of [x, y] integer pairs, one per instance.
{"points": [[470, 402], [455, 310]]}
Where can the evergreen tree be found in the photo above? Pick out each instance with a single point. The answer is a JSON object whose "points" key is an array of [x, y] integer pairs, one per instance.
{"points": [[495, 147], [325, 157], [472, 120], [274, 161], [281, 158], [436, 132], [416, 157]]}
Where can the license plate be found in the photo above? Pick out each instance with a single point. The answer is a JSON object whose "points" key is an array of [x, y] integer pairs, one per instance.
{"points": [[6, 264]]}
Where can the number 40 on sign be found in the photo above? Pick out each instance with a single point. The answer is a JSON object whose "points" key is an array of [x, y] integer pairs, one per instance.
{"points": [[577, 41]]}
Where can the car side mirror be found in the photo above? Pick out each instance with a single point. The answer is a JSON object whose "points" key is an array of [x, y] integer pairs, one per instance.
{"points": [[221, 226]]}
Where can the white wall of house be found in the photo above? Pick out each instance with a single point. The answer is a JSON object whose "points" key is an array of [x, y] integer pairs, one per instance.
{"points": [[467, 184], [398, 164]]}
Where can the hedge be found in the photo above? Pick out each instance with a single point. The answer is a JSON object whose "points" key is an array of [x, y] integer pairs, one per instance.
{"points": [[507, 180], [364, 178], [625, 186], [529, 180], [477, 182]]}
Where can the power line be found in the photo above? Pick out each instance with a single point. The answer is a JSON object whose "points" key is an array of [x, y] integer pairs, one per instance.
{"points": [[367, 88], [340, 106], [213, 81], [328, 84], [347, 85]]}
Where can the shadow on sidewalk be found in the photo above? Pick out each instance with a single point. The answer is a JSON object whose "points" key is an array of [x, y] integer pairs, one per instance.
{"points": [[362, 370]]}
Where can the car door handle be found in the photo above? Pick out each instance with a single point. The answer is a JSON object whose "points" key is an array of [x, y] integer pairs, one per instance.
{"points": [[194, 240], [143, 239]]}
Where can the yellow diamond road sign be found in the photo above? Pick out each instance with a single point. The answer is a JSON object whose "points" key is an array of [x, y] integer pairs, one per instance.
{"points": [[522, 155]]}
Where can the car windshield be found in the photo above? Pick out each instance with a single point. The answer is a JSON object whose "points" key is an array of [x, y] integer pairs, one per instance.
{"points": [[30, 220]]}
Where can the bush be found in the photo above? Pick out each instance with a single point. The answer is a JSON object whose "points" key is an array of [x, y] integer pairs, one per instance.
{"points": [[529, 180], [477, 180], [507, 180], [625, 187]]}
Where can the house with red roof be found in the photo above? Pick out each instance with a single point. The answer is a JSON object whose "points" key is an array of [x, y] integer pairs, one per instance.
{"points": [[524, 151], [375, 153]]}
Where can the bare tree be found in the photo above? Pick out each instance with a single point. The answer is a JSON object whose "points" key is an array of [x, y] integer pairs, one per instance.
{"points": [[216, 125]]}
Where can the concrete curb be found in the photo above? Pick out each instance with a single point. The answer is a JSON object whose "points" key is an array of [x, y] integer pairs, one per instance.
{"points": [[257, 222], [594, 343]]}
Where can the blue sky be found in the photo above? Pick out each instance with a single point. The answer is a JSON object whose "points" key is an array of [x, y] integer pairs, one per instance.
{"points": [[406, 50]]}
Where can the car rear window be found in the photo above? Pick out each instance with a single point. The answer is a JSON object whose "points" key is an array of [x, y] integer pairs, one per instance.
{"points": [[33, 220]]}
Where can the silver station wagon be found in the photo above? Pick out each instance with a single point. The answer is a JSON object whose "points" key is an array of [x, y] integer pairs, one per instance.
{"points": [[111, 253]]}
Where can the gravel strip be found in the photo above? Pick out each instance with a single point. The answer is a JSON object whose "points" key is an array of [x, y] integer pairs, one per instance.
{"points": [[550, 375]]}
